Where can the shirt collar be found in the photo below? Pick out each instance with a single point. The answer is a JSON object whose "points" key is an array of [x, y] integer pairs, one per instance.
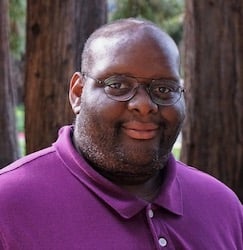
{"points": [[170, 196], [120, 200]]}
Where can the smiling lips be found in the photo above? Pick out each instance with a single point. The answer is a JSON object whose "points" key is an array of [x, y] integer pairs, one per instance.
{"points": [[140, 131]]}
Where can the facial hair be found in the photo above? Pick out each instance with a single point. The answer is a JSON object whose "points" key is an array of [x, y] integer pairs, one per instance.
{"points": [[101, 145]]}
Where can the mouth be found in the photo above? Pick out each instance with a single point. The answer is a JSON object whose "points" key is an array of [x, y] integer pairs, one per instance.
{"points": [[140, 131]]}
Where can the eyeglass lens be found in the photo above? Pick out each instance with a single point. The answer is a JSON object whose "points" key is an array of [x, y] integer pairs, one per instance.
{"points": [[123, 88]]}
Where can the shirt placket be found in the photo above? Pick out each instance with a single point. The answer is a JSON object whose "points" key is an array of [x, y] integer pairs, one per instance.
{"points": [[158, 230]]}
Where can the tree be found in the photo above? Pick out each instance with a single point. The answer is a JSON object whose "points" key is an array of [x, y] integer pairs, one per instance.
{"points": [[17, 14], [213, 134], [8, 142], [56, 32]]}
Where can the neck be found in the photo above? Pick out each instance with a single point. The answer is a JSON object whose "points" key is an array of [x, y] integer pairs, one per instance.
{"points": [[148, 190], [142, 186]]}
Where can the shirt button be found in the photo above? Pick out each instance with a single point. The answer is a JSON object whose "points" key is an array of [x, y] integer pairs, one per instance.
{"points": [[150, 213], [162, 242]]}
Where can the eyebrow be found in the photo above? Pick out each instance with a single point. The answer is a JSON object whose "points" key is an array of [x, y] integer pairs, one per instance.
{"points": [[142, 77]]}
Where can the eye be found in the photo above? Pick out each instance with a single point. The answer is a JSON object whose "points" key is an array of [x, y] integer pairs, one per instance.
{"points": [[163, 89], [117, 85], [164, 86]]}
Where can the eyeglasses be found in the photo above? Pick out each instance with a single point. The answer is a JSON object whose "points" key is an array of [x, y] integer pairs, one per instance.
{"points": [[123, 88]]}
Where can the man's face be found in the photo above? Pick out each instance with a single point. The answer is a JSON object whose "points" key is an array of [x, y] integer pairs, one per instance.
{"points": [[129, 139]]}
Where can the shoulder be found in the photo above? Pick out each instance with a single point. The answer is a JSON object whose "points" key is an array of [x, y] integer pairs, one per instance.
{"points": [[26, 170], [205, 188], [28, 180], [192, 176], [207, 198], [42, 157], [36, 158]]}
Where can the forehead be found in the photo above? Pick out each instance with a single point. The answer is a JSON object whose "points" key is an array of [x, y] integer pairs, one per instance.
{"points": [[144, 47]]}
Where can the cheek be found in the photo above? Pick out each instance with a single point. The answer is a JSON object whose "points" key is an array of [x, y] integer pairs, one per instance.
{"points": [[103, 107], [175, 114]]}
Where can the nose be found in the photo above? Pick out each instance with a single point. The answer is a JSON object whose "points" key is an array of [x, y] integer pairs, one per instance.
{"points": [[142, 103]]}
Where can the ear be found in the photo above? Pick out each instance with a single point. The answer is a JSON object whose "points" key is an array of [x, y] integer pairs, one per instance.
{"points": [[75, 91]]}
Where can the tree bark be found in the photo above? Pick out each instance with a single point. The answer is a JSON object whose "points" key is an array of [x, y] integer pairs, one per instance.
{"points": [[56, 32], [213, 63], [8, 142]]}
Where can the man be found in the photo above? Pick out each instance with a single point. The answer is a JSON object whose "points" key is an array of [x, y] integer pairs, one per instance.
{"points": [[111, 182]]}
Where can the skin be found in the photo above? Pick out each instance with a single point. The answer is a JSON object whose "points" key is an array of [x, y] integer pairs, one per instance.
{"points": [[127, 142]]}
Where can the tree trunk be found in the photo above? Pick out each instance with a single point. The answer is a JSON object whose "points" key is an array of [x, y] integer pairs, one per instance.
{"points": [[8, 142], [213, 58], [56, 32]]}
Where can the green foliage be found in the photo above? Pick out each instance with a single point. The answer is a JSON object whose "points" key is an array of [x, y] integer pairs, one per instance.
{"points": [[19, 112], [176, 152], [17, 14], [168, 14]]}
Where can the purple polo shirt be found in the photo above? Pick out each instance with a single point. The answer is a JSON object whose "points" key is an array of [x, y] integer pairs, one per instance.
{"points": [[53, 199]]}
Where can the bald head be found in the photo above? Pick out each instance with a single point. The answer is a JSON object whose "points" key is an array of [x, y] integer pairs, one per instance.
{"points": [[124, 32]]}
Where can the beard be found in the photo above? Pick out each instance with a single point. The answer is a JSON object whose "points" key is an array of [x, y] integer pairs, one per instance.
{"points": [[127, 162]]}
